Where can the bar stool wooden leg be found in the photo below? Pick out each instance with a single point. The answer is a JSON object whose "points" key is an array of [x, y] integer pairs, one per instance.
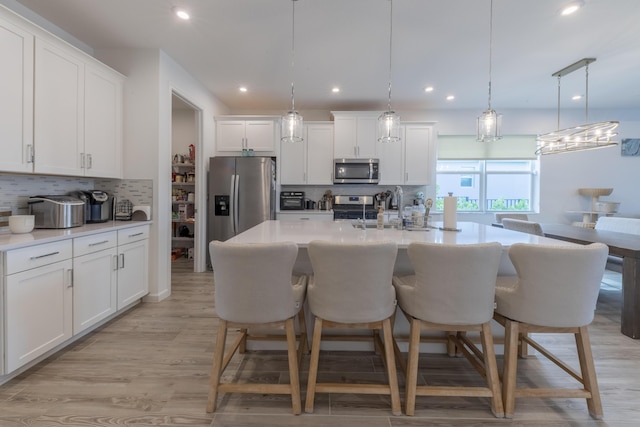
{"points": [[491, 368], [303, 346], [313, 366], [294, 379], [587, 367], [509, 373], [391, 367], [216, 370], [412, 367]]}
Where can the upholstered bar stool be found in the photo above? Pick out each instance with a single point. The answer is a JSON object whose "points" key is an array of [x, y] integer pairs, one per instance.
{"points": [[453, 291], [500, 216], [351, 289], [254, 289], [555, 292]]}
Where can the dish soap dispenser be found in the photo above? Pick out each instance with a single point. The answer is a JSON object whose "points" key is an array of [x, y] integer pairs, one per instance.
{"points": [[380, 218]]}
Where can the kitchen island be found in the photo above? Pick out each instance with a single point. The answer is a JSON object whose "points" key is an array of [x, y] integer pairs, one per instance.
{"points": [[303, 232]]}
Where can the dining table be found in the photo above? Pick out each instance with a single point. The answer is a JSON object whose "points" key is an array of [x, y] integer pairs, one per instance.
{"points": [[623, 245]]}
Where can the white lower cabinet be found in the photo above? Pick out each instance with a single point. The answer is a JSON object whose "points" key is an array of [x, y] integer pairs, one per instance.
{"points": [[54, 291], [133, 261], [95, 277], [38, 301]]}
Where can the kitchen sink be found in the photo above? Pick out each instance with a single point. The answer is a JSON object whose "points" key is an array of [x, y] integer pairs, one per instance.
{"points": [[355, 225]]}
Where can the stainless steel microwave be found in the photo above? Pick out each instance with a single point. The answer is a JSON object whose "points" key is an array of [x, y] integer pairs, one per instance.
{"points": [[356, 171]]}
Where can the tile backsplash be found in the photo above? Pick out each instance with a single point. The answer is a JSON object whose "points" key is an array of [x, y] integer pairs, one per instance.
{"points": [[15, 189]]}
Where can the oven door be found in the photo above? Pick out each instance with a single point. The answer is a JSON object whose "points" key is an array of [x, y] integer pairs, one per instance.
{"points": [[292, 203]]}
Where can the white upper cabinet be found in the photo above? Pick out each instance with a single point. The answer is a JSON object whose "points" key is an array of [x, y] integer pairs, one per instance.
{"points": [[410, 161], [319, 142], [78, 114], [420, 157], [60, 109], [59, 112], [309, 162], [16, 98], [355, 135], [392, 156], [102, 122], [236, 135]]}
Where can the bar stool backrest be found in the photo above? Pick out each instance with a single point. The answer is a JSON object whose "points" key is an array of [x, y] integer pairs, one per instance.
{"points": [[253, 282], [557, 285], [352, 282]]}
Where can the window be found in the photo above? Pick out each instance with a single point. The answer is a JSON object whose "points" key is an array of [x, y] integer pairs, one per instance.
{"points": [[488, 177]]}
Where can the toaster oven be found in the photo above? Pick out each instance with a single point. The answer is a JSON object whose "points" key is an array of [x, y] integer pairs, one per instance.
{"points": [[292, 200]]}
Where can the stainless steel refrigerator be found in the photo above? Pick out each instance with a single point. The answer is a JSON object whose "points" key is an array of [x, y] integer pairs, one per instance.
{"points": [[242, 194]]}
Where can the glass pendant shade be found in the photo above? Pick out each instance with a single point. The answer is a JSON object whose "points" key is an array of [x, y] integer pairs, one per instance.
{"points": [[389, 121], [291, 130], [489, 126], [389, 127], [489, 122], [291, 122]]}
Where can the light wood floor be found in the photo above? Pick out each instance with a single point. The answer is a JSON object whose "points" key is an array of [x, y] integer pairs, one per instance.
{"points": [[151, 365]]}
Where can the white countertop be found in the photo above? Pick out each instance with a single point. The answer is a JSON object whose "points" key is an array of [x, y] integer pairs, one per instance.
{"points": [[10, 241], [302, 232]]}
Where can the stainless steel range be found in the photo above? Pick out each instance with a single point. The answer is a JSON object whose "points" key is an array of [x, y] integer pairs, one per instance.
{"points": [[351, 207]]}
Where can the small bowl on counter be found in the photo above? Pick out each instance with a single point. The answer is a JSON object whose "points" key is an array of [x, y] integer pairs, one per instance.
{"points": [[19, 224]]}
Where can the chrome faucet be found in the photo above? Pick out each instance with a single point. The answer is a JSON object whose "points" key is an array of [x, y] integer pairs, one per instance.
{"points": [[397, 194]]}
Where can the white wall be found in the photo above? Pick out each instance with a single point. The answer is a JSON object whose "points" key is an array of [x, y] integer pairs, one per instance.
{"points": [[152, 77], [183, 131]]}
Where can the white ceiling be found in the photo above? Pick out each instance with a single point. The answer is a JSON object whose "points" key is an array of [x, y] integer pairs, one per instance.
{"points": [[444, 43]]}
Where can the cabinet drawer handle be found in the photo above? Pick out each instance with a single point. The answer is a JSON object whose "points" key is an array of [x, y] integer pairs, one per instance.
{"points": [[136, 234], [70, 275], [45, 255], [305, 219], [98, 243], [115, 262], [121, 263]]}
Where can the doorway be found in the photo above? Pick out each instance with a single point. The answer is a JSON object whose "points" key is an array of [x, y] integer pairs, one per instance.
{"points": [[184, 141]]}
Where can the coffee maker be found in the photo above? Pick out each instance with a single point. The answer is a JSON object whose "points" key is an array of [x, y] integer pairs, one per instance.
{"points": [[98, 205]]}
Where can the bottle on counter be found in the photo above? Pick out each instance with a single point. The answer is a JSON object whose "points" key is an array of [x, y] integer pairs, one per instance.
{"points": [[380, 218]]}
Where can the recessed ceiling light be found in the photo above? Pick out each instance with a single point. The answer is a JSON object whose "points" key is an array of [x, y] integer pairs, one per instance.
{"points": [[450, 97], [181, 13], [572, 7], [335, 89], [242, 89], [428, 89], [576, 97]]}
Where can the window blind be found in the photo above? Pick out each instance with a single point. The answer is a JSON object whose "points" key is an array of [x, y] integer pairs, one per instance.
{"points": [[465, 147]]}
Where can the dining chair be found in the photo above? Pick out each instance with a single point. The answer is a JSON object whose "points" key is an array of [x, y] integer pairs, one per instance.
{"points": [[529, 227], [351, 288], [555, 292], [254, 288], [452, 290], [500, 216]]}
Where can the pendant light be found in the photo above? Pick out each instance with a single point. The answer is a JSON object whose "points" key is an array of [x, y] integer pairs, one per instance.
{"points": [[389, 121], [490, 122], [291, 124], [584, 137]]}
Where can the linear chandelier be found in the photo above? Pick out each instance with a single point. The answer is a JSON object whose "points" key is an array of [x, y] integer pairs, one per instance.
{"points": [[389, 121], [578, 138], [291, 124]]}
